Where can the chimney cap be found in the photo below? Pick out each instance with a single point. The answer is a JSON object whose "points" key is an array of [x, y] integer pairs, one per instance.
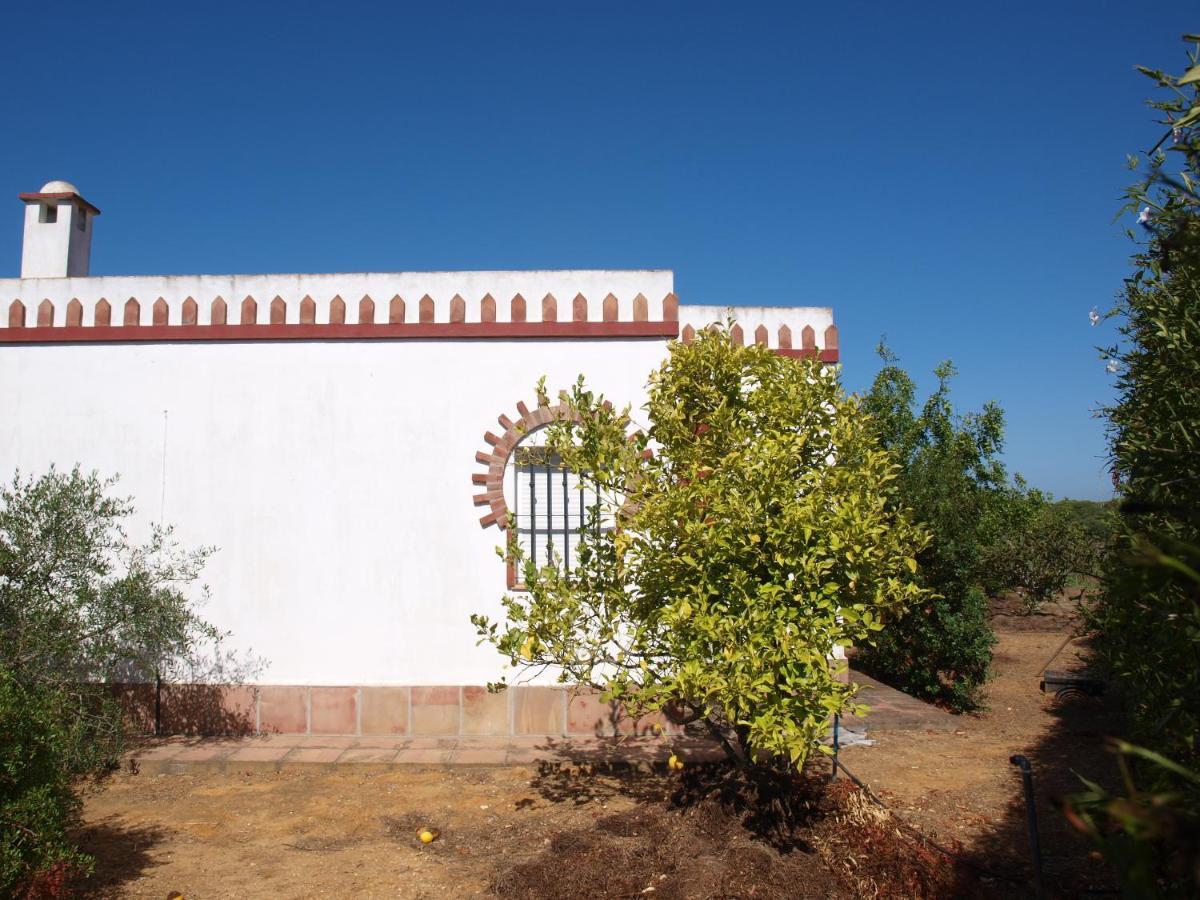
{"points": [[59, 190], [58, 187]]}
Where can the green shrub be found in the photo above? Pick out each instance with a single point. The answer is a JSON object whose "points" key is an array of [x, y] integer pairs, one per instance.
{"points": [[79, 606], [758, 535], [1097, 519], [953, 481], [941, 651], [1151, 836], [1045, 552], [38, 805], [1148, 618]]}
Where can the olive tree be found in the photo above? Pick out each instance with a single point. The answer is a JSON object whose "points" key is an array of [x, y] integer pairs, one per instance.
{"points": [[81, 607], [731, 543]]}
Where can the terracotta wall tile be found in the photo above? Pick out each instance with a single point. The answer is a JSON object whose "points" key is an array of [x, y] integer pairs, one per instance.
{"points": [[283, 709], [588, 714], [484, 712], [435, 710], [538, 710], [385, 710], [137, 705], [208, 709], [333, 710]]}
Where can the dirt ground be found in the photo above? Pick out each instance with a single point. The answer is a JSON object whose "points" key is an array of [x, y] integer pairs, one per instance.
{"points": [[562, 832], [961, 788]]}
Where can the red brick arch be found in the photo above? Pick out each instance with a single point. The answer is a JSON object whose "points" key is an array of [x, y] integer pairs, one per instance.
{"points": [[500, 447]]}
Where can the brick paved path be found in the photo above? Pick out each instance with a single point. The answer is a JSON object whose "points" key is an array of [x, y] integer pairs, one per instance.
{"points": [[276, 752], [892, 710]]}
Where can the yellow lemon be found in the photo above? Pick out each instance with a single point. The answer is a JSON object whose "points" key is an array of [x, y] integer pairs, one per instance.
{"points": [[426, 836]]}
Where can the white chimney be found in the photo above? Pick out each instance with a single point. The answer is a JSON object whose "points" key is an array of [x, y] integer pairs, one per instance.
{"points": [[58, 232]]}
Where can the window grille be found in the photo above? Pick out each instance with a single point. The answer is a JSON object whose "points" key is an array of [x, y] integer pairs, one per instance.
{"points": [[549, 504]]}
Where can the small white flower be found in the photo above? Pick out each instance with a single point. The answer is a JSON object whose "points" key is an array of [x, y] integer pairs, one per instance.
{"points": [[1144, 216], [1113, 367], [1094, 317], [1176, 135]]}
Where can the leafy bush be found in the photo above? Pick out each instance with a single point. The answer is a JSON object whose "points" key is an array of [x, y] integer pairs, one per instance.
{"points": [[1147, 621], [1042, 555], [953, 481], [1096, 518], [79, 606], [1149, 830], [732, 545], [1148, 618], [38, 805]]}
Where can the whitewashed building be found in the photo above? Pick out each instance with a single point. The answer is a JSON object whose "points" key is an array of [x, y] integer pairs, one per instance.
{"points": [[346, 441]]}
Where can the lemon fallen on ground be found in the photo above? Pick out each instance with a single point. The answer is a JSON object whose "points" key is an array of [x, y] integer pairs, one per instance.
{"points": [[426, 835]]}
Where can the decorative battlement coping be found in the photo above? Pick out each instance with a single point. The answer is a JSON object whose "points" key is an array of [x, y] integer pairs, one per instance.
{"points": [[277, 319], [782, 340], [397, 317]]}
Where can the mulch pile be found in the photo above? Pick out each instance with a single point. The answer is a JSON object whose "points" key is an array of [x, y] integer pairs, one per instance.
{"points": [[721, 838]]}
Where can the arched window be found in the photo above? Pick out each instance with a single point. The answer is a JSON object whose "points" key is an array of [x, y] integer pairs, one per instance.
{"points": [[547, 502], [529, 490]]}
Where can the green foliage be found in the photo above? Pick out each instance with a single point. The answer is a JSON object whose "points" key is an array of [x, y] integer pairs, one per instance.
{"points": [[1046, 550], [38, 806], [738, 539], [953, 481], [78, 601], [1096, 518], [1150, 830], [1151, 837], [1149, 616], [1147, 621], [79, 606]]}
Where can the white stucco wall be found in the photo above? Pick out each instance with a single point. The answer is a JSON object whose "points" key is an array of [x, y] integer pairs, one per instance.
{"points": [[335, 478], [46, 246]]}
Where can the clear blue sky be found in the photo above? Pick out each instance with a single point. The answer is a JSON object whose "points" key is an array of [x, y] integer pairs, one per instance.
{"points": [[944, 174]]}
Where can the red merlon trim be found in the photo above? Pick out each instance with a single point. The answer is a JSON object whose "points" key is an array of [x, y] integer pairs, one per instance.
{"points": [[410, 330]]}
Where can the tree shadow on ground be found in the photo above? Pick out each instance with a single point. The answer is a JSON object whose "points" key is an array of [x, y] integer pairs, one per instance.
{"points": [[773, 808], [123, 853], [714, 830], [1073, 744]]}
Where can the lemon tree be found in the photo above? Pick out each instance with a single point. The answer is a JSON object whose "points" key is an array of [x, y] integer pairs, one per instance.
{"points": [[732, 540]]}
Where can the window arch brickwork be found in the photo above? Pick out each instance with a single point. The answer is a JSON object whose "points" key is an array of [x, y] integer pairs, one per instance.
{"points": [[496, 456]]}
